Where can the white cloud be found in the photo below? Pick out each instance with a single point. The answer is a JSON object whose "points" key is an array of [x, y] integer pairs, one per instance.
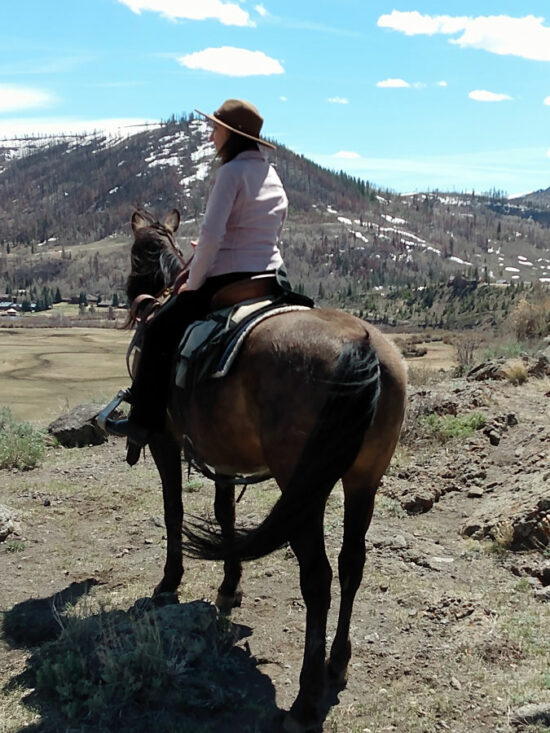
{"points": [[226, 12], [393, 84], [441, 83], [14, 98], [232, 61], [347, 154], [283, 99], [547, 101], [481, 95], [260, 10], [526, 37], [412, 23], [338, 100]]}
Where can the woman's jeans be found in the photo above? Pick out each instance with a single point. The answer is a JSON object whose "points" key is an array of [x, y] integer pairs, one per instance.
{"points": [[161, 338]]}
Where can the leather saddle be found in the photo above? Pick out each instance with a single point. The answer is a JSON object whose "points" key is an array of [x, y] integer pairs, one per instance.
{"points": [[209, 346]]}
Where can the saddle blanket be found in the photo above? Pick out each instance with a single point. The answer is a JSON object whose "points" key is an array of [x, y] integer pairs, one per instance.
{"points": [[209, 347]]}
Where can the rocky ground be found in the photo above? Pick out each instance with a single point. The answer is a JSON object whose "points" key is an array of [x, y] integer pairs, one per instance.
{"points": [[451, 628]]}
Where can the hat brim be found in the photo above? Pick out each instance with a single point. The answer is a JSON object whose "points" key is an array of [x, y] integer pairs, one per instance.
{"points": [[238, 132]]}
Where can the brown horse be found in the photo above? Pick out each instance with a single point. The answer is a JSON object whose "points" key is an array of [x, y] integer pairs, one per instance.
{"points": [[314, 396]]}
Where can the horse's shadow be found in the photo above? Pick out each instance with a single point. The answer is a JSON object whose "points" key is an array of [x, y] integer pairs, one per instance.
{"points": [[42, 625]]}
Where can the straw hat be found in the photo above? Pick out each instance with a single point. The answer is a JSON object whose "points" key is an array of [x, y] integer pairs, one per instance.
{"points": [[241, 117]]}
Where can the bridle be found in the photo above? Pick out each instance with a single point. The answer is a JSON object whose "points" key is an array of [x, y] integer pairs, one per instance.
{"points": [[144, 306]]}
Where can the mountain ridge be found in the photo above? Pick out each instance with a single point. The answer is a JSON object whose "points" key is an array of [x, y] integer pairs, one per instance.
{"points": [[344, 238]]}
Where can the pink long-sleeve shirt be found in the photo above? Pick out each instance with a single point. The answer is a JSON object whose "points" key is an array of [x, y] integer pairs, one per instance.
{"points": [[242, 223]]}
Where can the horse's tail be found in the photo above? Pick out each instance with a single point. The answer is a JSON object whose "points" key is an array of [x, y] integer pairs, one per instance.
{"points": [[329, 452]]}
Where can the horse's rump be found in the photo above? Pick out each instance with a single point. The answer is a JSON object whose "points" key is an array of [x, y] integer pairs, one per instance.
{"points": [[274, 394]]}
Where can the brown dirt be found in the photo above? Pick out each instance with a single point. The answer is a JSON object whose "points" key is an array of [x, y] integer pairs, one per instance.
{"points": [[449, 633]]}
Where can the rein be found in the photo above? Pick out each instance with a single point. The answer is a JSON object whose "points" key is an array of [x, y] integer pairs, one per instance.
{"points": [[140, 313], [145, 306]]}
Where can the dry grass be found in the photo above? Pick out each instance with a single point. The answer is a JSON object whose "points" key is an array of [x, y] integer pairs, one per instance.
{"points": [[47, 371], [515, 372]]}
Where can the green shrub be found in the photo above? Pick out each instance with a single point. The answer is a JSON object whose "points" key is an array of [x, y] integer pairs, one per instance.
{"points": [[15, 546], [113, 666], [21, 444], [448, 427], [192, 486], [505, 348]]}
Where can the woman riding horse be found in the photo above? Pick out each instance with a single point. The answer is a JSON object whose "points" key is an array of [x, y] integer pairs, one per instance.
{"points": [[239, 235], [315, 396]]}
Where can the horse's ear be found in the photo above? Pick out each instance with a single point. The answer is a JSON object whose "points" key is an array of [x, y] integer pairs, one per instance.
{"points": [[140, 220], [172, 221]]}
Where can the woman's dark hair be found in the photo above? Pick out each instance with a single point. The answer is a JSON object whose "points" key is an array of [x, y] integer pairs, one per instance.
{"points": [[234, 145]]}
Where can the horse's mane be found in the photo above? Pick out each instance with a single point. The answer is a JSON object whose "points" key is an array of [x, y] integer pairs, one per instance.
{"points": [[155, 262]]}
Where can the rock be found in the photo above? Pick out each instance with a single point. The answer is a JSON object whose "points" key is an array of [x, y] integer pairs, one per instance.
{"points": [[521, 524], [8, 522], [542, 594], [475, 492], [486, 370], [535, 567], [494, 437], [503, 368], [539, 367], [78, 427], [419, 502], [535, 714], [473, 529], [398, 542]]}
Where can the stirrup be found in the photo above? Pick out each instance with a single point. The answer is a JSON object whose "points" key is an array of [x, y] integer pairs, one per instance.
{"points": [[127, 428], [123, 395]]}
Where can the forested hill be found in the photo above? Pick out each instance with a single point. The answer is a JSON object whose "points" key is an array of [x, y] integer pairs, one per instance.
{"points": [[66, 203], [81, 188]]}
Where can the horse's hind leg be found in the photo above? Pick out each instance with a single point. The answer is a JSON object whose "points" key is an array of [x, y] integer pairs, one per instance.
{"points": [[315, 580], [167, 456], [357, 516], [229, 593]]}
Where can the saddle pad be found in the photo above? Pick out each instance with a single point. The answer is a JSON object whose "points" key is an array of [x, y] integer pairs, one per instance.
{"points": [[238, 337], [209, 347]]}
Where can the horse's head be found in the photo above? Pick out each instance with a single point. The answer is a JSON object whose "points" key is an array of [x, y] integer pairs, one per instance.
{"points": [[155, 257]]}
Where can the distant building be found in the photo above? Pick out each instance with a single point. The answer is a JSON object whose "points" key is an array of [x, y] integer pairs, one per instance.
{"points": [[9, 311], [7, 305]]}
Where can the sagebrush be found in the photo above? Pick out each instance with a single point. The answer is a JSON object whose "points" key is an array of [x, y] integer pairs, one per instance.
{"points": [[22, 445]]}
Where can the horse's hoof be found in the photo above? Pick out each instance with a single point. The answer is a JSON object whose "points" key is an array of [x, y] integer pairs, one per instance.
{"points": [[226, 603], [164, 599], [291, 725]]}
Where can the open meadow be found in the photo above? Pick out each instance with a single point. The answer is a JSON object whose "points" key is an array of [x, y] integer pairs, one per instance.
{"points": [[47, 371]]}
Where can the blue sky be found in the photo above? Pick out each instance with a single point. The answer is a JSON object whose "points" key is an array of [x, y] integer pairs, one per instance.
{"points": [[411, 96]]}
